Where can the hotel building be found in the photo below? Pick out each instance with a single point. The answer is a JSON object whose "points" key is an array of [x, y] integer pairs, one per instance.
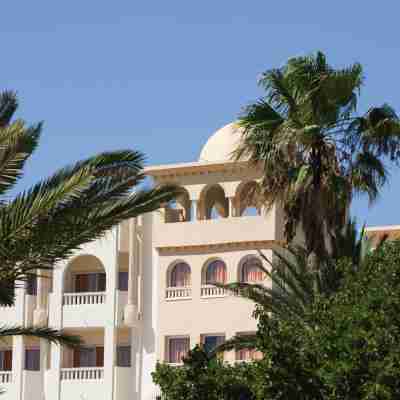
{"points": [[144, 292]]}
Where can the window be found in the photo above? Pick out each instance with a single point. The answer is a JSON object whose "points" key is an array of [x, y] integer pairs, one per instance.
{"points": [[247, 354], [92, 282], [32, 359], [31, 285], [92, 356], [178, 347], [123, 277], [180, 275], [5, 360], [215, 272], [251, 270], [124, 356], [210, 342]]}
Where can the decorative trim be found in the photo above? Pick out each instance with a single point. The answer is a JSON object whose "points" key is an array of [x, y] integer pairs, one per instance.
{"points": [[220, 247]]}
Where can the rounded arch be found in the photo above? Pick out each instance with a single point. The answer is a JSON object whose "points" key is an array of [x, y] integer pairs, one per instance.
{"points": [[179, 274], [213, 203], [214, 271], [250, 269], [179, 209], [248, 199], [84, 273]]}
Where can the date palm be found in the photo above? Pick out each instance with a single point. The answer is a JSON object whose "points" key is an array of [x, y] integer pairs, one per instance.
{"points": [[51, 220], [316, 150]]}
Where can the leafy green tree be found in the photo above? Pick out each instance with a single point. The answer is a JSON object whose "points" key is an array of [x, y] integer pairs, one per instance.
{"points": [[293, 286], [50, 221], [316, 150], [204, 378], [346, 347]]}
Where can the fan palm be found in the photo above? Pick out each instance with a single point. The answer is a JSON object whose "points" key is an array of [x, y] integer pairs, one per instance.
{"points": [[294, 286], [316, 151], [50, 221]]}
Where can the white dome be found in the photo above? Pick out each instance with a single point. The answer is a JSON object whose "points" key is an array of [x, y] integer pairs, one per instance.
{"points": [[221, 145]]}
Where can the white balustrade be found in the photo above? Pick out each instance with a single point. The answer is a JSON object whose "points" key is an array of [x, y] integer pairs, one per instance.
{"points": [[5, 376], [82, 373], [176, 293], [77, 299], [212, 291]]}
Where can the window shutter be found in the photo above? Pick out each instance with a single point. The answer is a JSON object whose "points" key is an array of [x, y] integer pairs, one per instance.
{"points": [[7, 360], [99, 356], [76, 358]]}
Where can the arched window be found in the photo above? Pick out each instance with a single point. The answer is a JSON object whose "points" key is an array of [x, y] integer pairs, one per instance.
{"points": [[251, 270], [213, 203], [248, 199], [179, 209], [215, 272], [180, 275]]}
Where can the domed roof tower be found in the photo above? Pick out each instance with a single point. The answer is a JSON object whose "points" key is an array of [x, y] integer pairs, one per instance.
{"points": [[222, 144]]}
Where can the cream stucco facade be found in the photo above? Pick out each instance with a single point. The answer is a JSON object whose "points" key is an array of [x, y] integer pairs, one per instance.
{"points": [[125, 297]]}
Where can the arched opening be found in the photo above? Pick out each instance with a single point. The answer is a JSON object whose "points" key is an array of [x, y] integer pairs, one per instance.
{"points": [[178, 210], [250, 270], [179, 275], [213, 203], [248, 199], [214, 272], [85, 274]]}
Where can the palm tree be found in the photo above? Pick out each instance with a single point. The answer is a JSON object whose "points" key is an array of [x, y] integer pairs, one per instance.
{"points": [[51, 220], [294, 286], [316, 151]]}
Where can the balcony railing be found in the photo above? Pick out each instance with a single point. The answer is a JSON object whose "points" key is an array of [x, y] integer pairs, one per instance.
{"points": [[5, 376], [212, 291], [176, 293], [75, 374], [77, 299]]}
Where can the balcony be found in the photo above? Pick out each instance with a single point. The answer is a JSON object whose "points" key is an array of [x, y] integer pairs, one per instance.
{"points": [[178, 293], [78, 299], [88, 308], [219, 231], [212, 291], [92, 373], [5, 377]]}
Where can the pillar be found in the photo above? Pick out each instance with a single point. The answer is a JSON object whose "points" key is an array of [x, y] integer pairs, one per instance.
{"points": [[193, 216], [18, 359], [110, 351], [40, 312], [130, 310], [231, 205]]}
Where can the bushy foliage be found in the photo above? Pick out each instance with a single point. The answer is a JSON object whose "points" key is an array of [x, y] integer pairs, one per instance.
{"points": [[347, 347], [202, 377]]}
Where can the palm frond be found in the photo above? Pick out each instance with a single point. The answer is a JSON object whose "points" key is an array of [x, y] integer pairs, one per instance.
{"points": [[49, 334]]}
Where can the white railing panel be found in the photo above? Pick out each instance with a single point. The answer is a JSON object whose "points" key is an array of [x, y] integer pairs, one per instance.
{"points": [[78, 299], [5, 377], [83, 374], [176, 293], [212, 291]]}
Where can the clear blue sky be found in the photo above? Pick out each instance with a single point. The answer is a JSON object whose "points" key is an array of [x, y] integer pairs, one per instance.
{"points": [[161, 76]]}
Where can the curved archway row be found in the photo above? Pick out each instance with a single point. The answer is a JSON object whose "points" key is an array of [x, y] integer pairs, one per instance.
{"points": [[214, 204], [215, 271]]}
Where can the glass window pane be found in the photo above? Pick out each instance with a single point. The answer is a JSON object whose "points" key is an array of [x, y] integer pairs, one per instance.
{"points": [[32, 359], [124, 356], [178, 348], [123, 280]]}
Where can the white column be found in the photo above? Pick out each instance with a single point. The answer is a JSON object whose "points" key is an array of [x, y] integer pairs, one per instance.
{"points": [[231, 207], [18, 359], [193, 216], [130, 310], [110, 350], [40, 312]]}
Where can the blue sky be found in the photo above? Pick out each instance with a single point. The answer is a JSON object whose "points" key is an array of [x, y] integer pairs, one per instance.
{"points": [[162, 76]]}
